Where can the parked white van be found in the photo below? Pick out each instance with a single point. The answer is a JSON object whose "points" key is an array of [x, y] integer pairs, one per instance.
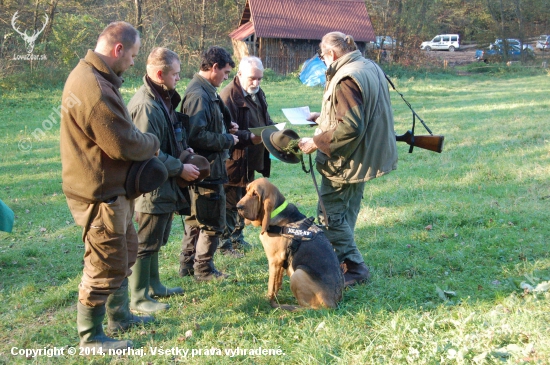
{"points": [[448, 42]]}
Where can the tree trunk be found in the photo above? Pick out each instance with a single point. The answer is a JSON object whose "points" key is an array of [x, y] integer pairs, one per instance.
{"points": [[203, 26], [138, 20], [49, 27]]}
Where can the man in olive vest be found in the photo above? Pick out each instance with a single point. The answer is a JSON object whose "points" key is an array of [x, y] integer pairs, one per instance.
{"points": [[355, 142]]}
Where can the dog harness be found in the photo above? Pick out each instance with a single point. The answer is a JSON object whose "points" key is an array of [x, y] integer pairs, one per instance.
{"points": [[298, 232]]}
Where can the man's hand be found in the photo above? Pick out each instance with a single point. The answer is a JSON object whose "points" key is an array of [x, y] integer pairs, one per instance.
{"points": [[190, 150], [307, 145], [235, 138], [313, 117], [190, 172], [234, 128], [255, 139]]}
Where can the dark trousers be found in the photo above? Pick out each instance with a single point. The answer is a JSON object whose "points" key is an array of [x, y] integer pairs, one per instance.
{"points": [[234, 223], [153, 232], [342, 203], [204, 226]]}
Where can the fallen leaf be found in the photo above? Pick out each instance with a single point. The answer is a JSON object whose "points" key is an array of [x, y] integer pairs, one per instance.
{"points": [[42, 229], [320, 326], [428, 227], [441, 293], [188, 334], [526, 287]]}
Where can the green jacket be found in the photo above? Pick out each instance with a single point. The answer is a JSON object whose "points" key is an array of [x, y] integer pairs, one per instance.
{"points": [[208, 126], [98, 140], [357, 144], [150, 115]]}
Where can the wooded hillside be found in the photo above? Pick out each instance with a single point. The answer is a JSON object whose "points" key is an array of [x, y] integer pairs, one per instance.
{"points": [[187, 26]]}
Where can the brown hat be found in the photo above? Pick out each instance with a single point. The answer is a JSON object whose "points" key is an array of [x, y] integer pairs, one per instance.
{"points": [[145, 176], [277, 143], [197, 160]]}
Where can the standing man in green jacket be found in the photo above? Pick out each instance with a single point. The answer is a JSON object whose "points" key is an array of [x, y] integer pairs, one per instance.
{"points": [[153, 110], [211, 134], [99, 142], [355, 142]]}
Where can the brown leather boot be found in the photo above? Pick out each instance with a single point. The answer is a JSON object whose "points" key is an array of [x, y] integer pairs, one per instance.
{"points": [[355, 273]]}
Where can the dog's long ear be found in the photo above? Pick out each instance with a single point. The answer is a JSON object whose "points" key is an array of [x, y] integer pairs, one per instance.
{"points": [[266, 202], [268, 208]]}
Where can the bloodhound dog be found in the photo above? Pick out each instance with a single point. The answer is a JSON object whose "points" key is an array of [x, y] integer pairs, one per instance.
{"points": [[291, 241]]}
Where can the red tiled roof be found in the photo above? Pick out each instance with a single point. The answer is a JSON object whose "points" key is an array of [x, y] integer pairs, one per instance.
{"points": [[306, 19], [242, 32]]}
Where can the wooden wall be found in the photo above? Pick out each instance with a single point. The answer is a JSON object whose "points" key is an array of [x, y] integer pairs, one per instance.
{"points": [[284, 56]]}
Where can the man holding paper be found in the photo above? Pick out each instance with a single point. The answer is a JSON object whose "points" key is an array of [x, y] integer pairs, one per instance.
{"points": [[355, 142], [248, 107]]}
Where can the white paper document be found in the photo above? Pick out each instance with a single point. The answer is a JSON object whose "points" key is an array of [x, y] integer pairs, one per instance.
{"points": [[277, 127], [298, 115]]}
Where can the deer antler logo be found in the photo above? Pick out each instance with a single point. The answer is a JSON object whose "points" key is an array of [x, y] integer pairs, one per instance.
{"points": [[29, 39]]}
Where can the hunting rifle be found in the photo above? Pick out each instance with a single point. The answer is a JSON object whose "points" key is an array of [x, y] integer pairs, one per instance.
{"points": [[428, 142]]}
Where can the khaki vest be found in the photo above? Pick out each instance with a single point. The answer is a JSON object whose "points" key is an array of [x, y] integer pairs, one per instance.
{"points": [[373, 153]]}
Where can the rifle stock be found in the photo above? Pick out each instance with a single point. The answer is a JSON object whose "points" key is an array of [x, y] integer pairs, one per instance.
{"points": [[427, 142]]}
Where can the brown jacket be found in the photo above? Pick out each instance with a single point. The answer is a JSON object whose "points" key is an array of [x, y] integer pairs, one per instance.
{"points": [[98, 139], [245, 156]]}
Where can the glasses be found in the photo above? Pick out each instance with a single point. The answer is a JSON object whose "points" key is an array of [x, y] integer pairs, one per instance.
{"points": [[320, 54]]}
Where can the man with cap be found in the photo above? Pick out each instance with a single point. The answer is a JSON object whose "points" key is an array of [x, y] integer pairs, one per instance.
{"points": [[355, 142], [247, 104], [153, 110], [211, 135], [99, 144]]}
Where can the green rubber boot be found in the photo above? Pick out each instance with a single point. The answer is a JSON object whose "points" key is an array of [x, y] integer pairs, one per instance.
{"points": [[156, 289], [139, 287], [90, 329], [120, 318]]}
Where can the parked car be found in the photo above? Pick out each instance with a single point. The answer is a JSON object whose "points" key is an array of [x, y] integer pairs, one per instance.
{"points": [[447, 42], [511, 42], [543, 43], [384, 41], [495, 53]]}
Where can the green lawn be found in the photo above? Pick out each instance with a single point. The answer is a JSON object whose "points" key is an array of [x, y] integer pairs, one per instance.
{"points": [[450, 238]]}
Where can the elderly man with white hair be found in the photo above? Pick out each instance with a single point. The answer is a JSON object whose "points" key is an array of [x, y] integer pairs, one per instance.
{"points": [[247, 104]]}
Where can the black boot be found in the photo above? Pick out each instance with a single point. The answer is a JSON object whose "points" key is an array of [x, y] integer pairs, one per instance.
{"points": [[118, 311], [204, 258], [90, 329], [355, 273], [226, 249], [139, 288], [156, 289], [187, 255]]}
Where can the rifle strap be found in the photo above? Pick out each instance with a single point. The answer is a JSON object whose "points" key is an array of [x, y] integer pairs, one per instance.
{"points": [[410, 107]]}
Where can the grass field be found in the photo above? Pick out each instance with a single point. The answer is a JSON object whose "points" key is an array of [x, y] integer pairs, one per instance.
{"points": [[457, 243]]}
